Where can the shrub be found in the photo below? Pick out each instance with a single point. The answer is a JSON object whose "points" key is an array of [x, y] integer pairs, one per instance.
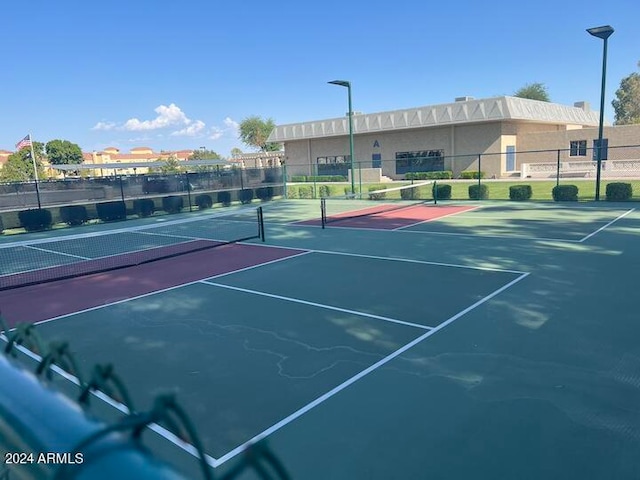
{"points": [[111, 211], [471, 174], [376, 196], [74, 214], [298, 178], [478, 192], [565, 193], [224, 198], [172, 204], [204, 201], [619, 192], [144, 207], [520, 192], [245, 196], [441, 191], [324, 191], [265, 193], [442, 175], [35, 219], [292, 191], [305, 191]]}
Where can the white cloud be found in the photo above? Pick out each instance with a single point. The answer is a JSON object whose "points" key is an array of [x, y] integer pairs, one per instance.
{"points": [[104, 126], [191, 131], [215, 133], [167, 116], [231, 124]]}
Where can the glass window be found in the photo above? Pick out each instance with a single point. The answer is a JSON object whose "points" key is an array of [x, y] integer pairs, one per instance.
{"points": [[578, 148]]}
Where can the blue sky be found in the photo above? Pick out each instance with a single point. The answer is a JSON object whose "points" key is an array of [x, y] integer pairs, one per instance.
{"points": [[183, 74]]}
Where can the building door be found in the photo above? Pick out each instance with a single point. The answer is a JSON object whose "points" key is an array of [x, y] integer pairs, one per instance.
{"points": [[376, 160], [511, 158]]}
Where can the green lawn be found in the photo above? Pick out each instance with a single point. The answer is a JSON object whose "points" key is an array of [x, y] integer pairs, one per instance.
{"points": [[498, 190]]}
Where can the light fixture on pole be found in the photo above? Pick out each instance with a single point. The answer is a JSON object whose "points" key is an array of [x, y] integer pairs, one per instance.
{"points": [[604, 33], [345, 83]]}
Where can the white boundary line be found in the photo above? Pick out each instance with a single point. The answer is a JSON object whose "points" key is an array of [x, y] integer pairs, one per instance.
{"points": [[436, 218], [605, 226], [46, 250], [319, 305], [298, 413], [394, 259]]}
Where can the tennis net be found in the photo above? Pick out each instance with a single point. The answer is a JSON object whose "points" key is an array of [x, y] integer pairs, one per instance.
{"points": [[375, 202], [40, 261]]}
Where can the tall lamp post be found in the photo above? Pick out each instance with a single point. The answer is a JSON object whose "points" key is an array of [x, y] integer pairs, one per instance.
{"points": [[344, 83], [604, 33]]}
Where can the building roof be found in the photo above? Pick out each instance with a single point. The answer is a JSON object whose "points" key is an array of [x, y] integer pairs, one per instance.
{"points": [[456, 113], [128, 165]]}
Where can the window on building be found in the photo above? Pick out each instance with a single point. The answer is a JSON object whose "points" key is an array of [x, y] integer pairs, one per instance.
{"points": [[334, 165], [578, 148], [420, 161]]}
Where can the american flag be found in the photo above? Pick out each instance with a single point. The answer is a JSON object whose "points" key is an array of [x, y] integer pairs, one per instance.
{"points": [[25, 142]]}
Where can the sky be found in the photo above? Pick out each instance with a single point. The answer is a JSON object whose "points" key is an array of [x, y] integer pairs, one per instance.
{"points": [[175, 75]]}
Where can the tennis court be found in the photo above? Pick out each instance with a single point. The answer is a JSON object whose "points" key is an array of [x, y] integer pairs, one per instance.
{"points": [[487, 340]]}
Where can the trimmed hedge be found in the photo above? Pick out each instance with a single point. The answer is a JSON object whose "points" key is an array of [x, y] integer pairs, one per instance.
{"points": [[318, 178], [144, 207], [204, 201], [375, 196], [471, 174], [111, 211], [520, 192], [264, 193], [442, 175], [172, 204], [443, 191], [479, 192], [565, 193], [74, 214], [35, 219], [305, 191], [224, 198], [619, 192], [245, 196]]}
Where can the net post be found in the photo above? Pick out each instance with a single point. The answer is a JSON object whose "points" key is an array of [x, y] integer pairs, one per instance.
{"points": [[261, 224]]}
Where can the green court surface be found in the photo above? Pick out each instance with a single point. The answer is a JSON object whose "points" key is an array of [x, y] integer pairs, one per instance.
{"points": [[500, 342]]}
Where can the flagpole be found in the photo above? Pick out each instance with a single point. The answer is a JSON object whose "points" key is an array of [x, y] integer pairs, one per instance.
{"points": [[35, 171]]}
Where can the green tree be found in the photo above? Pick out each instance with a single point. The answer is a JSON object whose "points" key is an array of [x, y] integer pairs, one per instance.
{"points": [[19, 166], [254, 132], [235, 151], [171, 165], [627, 102], [63, 152], [534, 91], [203, 154]]}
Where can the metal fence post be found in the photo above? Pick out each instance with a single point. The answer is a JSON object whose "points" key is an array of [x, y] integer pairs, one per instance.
{"points": [[558, 170]]}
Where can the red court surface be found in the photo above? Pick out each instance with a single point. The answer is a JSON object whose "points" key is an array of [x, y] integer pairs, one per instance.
{"points": [[41, 302], [389, 217]]}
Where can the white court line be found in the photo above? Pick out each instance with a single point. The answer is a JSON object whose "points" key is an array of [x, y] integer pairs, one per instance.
{"points": [[319, 305], [298, 413], [395, 259], [57, 253], [605, 226], [436, 218]]}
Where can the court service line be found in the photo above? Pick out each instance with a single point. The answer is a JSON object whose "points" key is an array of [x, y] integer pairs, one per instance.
{"points": [[397, 259], [46, 250], [607, 225], [319, 305], [321, 399], [436, 218], [124, 300]]}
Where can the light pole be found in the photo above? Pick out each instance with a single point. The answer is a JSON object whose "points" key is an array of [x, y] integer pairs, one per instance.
{"points": [[344, 83], [604, 33]]}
